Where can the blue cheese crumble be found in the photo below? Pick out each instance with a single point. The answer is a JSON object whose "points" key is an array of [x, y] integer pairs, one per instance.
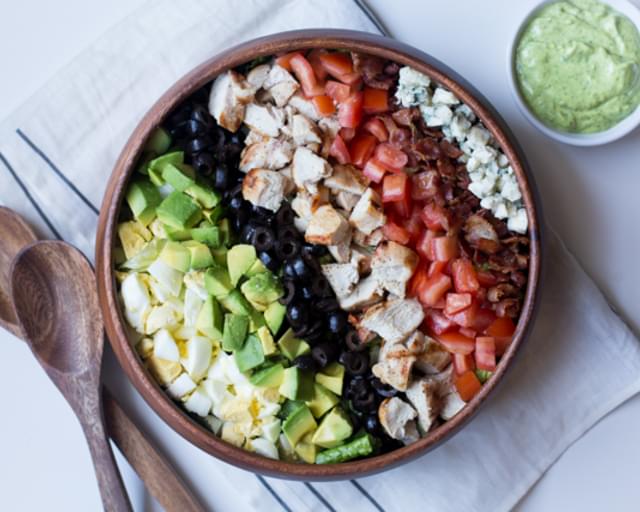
{"points": [[492, 178]]}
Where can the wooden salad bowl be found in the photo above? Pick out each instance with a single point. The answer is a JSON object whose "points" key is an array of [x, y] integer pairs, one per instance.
{"points": [[125, 166]]}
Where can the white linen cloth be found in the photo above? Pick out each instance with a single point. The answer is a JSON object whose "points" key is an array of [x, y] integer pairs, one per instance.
{"points": [[56, 154]]}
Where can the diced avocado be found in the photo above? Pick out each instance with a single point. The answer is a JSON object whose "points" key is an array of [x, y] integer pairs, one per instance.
{"points": [[213, 215], [200, 255], [239, 259], [256, 320], [179, 211], [174, 158], [133, 237], [306, 450], [143, 199], [332, 377], [118, 255], [269, 377], [291, 346], [204, 194], [206, 235], [274, 315], [322, 401], [143, 165], [361, 446], [177, 235], [334, 428], [250, 354], [261, 289], [235, 303], [268, 346], [158, 142], [155, 176], [225, 232], [289, 407], [210, 321], [217, 282], [179, 176], [257, 268], [235, 331], [297, 424], [176, 256], [297, 384], [220, 256]]}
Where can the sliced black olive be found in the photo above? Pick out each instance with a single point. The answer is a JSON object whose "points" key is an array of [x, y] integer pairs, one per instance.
{"points": [[194, 128], [180, 116], [221, 177], [314, 250], [261, 212], [269, 259], [301, 331], [315, 332], [288, 232], [365, 403], [301, 268], [324, 353], [199, 144], [372, 424], [336, 322], [382, 389], [320, 286], [353, 342], [246, 235], [305, 362], [289, 270], [326, 305], [234, 138], [306, 292], [263, 239], [297, 314], [236, 203], [203, 163], [238, 223], [289, 292], [356, 387], [201, 115], [285, 215], [355, 363], [287, 248]]}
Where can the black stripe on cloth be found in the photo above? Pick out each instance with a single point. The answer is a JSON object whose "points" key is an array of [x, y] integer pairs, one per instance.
{"points": [[372, 17], [53, 167], [367, 495], [273, 493], [30, 197], [319, 496]]}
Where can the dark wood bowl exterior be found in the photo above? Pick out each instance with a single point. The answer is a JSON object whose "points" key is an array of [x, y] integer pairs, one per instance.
{"points": [[107, 234]]}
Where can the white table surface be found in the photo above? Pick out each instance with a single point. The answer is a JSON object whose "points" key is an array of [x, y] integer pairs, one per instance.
{"points": [[589, 195]]}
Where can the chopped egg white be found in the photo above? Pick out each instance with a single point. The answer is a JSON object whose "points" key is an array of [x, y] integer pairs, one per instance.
{"points": [[198, 357], [183, 385], [165, 347], [198, 403]]}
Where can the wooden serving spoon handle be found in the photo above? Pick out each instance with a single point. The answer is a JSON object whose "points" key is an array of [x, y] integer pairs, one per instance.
{"points": [[161, 479]]}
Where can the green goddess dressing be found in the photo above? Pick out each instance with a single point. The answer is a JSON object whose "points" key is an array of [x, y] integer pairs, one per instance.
{"points": [[578, 66]]}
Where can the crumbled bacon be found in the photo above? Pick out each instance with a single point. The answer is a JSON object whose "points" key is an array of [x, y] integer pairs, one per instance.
{"points": [[372, 70], [481, 235]]}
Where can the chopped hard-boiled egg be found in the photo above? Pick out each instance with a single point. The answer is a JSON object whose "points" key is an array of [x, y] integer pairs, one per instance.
{"points": [[198, 357], [165, 347], [198, 403], [183, 385]]}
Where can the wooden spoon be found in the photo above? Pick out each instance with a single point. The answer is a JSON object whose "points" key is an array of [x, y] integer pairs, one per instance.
{"points": [[53, 291], [159, 476]]}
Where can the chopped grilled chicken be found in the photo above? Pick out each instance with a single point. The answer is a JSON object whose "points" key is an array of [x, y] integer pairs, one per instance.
{"points": [[229, 96], [342, 277], [327, 226], [365, 294], [394, 365], [423, 395], [433, 358], [304, 106], [257, 76], [393, 265], [304, 131], [361, 258], [346, 200], [397, 418], [394, 320], [264, 188], [264, 119], [367, 214], [309, 169], [268, 154], [348, 179], [452, 404]]}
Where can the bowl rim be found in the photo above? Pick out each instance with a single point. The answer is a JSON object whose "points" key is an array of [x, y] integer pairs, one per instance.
{"points": [[159, 401], [617, 131]]}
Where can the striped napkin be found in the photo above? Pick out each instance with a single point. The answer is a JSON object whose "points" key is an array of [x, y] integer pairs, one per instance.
{"points": [[57, 151]]}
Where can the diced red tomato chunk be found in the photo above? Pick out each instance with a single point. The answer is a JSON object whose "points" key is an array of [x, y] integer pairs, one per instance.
{"points": [[350, 111], [376, 101], [285, 60], [395, 187], [484, 318], [445, 248], [307, 78], [361, 148], [392, 158], [435, 217], [502, 344], [324, 105], [374, 170], [350, 78], [486, 353], [314, 59], [467, 385], [456, 302], [339, 150], [424, 245], [395, 233], [457, 343], [434, 289], [347, 134], [464, 276], [425, 185], [501, 327], [465, 317], [436, 323], [337, 63], [463, 363], [486, 277], [376, 128], [338, 91]]}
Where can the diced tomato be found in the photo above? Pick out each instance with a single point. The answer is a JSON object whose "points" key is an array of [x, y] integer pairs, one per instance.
{"points": [[434, 289], [413, 223], [339, 150], [425, 185], [307, 78], [395, 187], [502, 344], [350, 78], [436, 323], [484, 318], [361, 148], [402, 208], [486, 277], [440, 304], [464, 276], [376, 101], [392, 231], [469, 333], [501, 327], [486, 353], [347, 134], [350, 111], [392, 158], [435, 217], [457, 343], [468, 385], [466, 317], [437, 267], [424, 245], [324, 105], [376, 128], [339, 92], [337, 63], [314, 59], [285, 60], [445, 248], [456, 302], [374, 170], [416, 282], [463, 363]]}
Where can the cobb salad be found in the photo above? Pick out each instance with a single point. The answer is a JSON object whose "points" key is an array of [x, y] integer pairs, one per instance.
{"points": [[323, 256]]}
